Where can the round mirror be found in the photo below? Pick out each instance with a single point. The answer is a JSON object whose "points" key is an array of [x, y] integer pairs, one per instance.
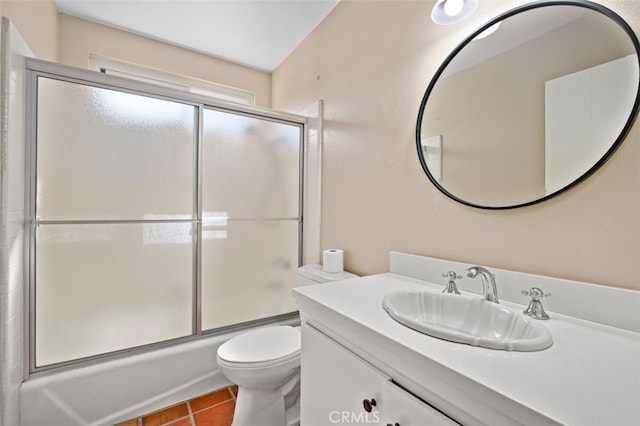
{"points": [[530, 104]]}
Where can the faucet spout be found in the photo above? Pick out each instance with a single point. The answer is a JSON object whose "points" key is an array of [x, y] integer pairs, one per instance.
{"points": [[489, 289]]}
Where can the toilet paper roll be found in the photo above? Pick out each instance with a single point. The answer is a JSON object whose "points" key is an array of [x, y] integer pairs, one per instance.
{"points": [[332, 260]]}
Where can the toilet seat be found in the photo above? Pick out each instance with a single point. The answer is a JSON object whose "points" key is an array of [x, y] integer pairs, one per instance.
{"points": [[261, 348]]}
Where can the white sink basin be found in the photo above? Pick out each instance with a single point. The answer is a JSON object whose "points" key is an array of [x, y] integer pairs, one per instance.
{"points": [[466, 319]]}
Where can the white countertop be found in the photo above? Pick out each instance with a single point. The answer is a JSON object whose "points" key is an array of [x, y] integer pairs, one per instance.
{"points": [[589, 376]]}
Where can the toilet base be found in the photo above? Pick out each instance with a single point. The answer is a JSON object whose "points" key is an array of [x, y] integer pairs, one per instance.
{"points": [[293, 414], [265, 407], [255, 407]]}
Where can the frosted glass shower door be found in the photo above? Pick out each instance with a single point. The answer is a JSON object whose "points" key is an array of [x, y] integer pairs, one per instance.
{"points": [[114, 221], [102, 288], [154, 216], [250, 218]]}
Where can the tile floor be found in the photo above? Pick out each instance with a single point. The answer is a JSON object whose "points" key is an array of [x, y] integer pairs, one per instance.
{"points": [[213, 409]]}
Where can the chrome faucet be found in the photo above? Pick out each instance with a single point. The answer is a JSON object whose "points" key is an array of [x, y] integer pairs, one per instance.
{"points": [[451, 284], [535, 308], [489, 289]]}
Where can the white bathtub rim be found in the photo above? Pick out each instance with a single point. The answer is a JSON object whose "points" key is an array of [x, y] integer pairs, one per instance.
{"points": [[116, 390]]}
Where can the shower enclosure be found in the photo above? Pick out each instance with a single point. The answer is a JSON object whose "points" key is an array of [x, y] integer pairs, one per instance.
{"points": [[155, 215]]}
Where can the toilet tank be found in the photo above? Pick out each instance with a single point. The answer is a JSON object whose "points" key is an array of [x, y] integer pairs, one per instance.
{"points": [[313, 274]]}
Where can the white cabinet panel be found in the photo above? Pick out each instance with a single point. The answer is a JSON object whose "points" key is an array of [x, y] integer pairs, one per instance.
{"points": [[335, 383], [404, 409]]}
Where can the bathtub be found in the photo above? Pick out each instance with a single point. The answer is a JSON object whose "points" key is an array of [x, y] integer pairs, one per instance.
{"points": [[121, 389]]}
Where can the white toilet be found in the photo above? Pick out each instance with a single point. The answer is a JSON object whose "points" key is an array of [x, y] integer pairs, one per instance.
{"points": [[265, 364]]}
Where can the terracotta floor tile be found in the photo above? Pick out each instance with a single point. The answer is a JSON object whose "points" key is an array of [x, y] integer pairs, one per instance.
{"points": [[234, 389], [133, 422], [210, 400], [165, 416], [185, 421], [220, 415]]}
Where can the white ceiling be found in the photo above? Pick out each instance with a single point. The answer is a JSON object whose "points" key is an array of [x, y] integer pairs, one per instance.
{"points": [[256, 33]]}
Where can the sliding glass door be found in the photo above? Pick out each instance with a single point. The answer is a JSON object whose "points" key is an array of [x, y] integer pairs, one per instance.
{"points": [[115, 210], [155, 218], [250, 218]]}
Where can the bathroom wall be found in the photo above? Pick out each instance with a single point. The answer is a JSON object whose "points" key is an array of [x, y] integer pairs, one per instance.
{"points": [[371, 63], [79, 38], [58, 37], [37, 22]]}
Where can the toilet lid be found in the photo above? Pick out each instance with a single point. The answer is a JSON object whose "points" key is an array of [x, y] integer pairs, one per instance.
{"points": [[262, 345]]}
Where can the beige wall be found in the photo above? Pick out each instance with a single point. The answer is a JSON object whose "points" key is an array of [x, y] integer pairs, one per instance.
{"points": [[80, 38], [57, 37], [371, 63], [37, 22]]}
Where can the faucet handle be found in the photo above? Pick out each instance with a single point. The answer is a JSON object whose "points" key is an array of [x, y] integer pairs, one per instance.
{"points": [[451, 287], [451, 275], [536, 293], [535, 308]]}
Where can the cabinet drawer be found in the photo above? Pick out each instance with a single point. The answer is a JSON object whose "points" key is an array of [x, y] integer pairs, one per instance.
{"points": [[404, 409], [336, 383]]}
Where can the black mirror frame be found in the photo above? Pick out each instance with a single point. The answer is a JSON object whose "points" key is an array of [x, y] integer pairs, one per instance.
{"points": [[520, 9]]}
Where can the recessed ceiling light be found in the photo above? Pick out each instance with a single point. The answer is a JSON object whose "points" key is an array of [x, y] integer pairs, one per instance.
{"points": [[448, 12]]}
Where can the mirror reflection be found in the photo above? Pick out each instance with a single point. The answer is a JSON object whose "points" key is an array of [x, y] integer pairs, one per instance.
{"points": [[520, 114]]}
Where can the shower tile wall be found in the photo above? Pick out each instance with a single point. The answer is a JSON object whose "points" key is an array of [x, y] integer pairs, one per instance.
{"points": [[12, 220]]}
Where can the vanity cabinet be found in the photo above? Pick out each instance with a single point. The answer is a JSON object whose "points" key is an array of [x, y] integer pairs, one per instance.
{"points": [[404, 409], [347, 335], [338, 387]]}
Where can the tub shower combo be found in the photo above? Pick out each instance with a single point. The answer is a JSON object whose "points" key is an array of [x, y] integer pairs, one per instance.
{"points": [[157, 220]]}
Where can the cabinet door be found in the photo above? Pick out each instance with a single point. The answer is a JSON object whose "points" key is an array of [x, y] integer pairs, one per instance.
{"points": [[335, 383], [404, 409]]}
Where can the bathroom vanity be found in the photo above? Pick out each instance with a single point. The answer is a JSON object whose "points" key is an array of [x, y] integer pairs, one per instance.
{"points": [[359, 366], [346, 389]]}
